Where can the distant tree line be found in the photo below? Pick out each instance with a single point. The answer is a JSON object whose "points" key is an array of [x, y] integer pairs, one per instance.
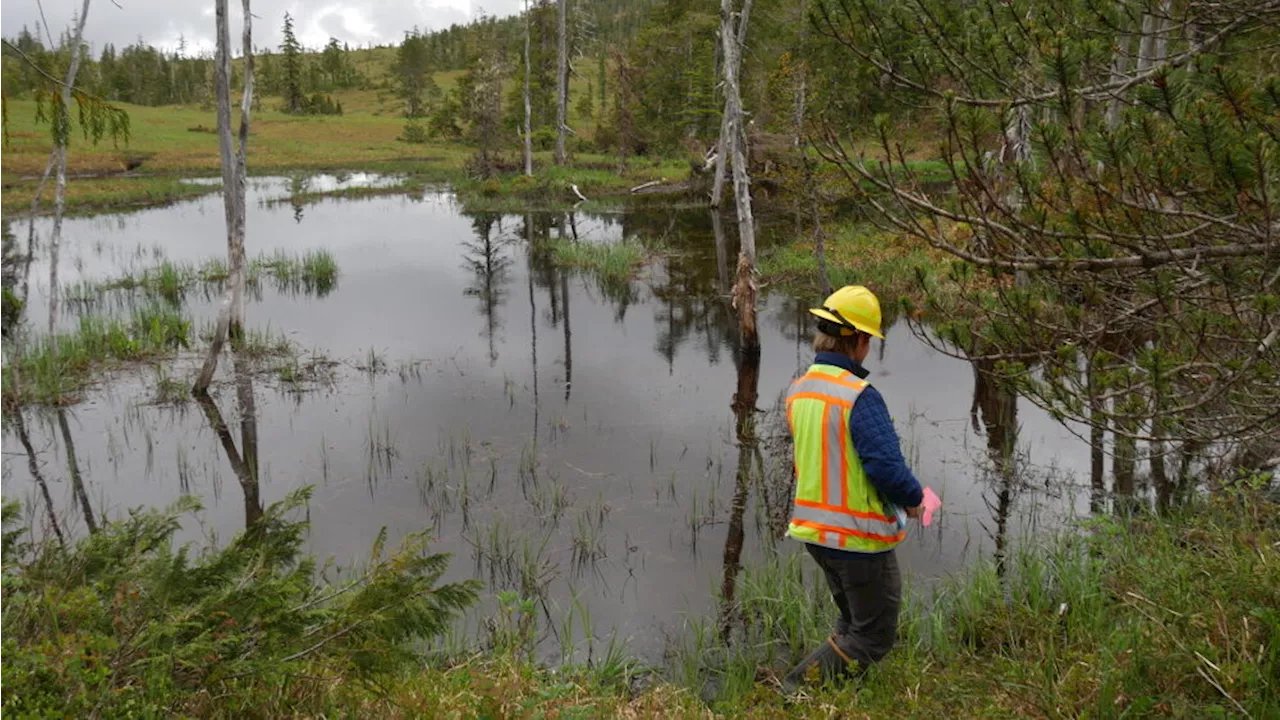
{"points": [[145, 75]]}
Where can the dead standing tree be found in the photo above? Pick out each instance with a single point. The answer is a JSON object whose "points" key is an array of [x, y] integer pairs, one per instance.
{"points": [[733, 32], [231, 316], [723, 148], [528, 104], [1146, 222], [562, 81], [62, 135]]}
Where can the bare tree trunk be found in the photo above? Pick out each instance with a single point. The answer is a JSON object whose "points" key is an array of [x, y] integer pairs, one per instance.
{"points": [[562, 82], [744, 289], [231, 316], [1119, 66], [727, 117], [802, 80], [528, 106], [60, 188], [237, 252]]}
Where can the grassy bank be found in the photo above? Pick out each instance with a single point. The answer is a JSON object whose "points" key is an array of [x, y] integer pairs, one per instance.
{"points": [[1148, 616], [859, 253], [171, 142]]}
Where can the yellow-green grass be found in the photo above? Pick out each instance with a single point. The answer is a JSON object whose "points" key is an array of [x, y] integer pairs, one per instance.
{"points": [[181, 139], [94, 194], [897, 267]]}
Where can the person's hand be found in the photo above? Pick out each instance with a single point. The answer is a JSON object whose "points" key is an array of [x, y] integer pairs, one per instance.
{"points": [[915, 512]]}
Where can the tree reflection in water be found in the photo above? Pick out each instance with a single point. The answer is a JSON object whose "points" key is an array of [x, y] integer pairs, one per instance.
{"points": [[244, 462]]}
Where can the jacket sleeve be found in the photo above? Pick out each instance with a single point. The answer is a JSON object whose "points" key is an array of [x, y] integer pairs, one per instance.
{"points": [[878, 448]]}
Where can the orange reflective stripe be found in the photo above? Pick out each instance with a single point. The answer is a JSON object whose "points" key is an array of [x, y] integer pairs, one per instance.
{"points": [[858, 385], [846, 511], [824, 398], [902, 534]]}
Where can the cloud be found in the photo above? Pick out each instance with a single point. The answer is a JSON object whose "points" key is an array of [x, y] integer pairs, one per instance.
{"points": [[167, 23]]}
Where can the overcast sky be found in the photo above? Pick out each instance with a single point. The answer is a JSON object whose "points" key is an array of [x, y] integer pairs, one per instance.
{"points": [[163, 22]]}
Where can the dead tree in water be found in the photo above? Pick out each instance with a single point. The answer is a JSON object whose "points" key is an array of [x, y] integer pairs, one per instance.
{"points": [[528, 105], [231, 317], [562, 81], [728, 117], [62, 135], [731, 139]]}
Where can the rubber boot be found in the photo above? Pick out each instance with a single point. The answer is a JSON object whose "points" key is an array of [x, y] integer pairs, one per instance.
{"points": [[829, 660]]}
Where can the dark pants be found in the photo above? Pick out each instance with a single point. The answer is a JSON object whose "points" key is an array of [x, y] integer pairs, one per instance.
{"points": [[868, 591]]}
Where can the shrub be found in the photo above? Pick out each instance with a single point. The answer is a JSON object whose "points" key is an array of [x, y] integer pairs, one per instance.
{"points": [[123, 623]]}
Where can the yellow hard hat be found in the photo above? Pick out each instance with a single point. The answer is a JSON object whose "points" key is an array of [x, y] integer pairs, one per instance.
{"points": [[852, 307]]}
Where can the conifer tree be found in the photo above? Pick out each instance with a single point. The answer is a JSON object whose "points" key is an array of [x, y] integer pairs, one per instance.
{"points": [[295, 99]]}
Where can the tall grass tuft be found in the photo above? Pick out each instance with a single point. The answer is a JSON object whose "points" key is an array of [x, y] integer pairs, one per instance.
{"points": [[55, 370], [315, 272], [1174, 615], [612, 262]]}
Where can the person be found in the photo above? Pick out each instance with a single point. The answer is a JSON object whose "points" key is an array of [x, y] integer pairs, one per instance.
{"points": [[854, 491]]}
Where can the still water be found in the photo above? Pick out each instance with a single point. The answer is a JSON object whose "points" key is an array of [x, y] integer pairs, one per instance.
{"points": [[601, 447]]}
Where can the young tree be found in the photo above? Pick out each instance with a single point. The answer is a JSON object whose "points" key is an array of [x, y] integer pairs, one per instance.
{"points": [[231, 316], [410, 73], [336, 66], [295, 98]]}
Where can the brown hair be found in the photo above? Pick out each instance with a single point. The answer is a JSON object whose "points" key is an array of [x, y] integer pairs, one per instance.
{"points": [[845, 344]]}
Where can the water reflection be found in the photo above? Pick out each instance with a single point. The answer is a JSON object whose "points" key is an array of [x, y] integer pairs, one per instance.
{"points": [[615, 491], [243, 461], [73, 469], [995, 406], [33, 467], [750, 465], [483, 255]]}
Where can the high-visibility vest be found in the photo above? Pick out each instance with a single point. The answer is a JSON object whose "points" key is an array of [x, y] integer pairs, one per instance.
{"points": [[836, 506]]}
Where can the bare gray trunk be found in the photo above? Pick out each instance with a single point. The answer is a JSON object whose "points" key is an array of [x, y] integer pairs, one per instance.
{"points": [[1119, 66], [727, 31], [60, 188], [237, 259], [744, 290], [562, 82], [231, 316], [528, 106], [802, 76], [717, 184]]}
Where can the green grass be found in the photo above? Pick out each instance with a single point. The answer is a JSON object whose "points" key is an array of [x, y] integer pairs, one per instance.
{"points": [[857, 253], [611, 262], [57, 370], [315, 272]]}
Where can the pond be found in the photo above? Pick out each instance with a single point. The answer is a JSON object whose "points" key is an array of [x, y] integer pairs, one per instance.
{"points": [[599, 446]]}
